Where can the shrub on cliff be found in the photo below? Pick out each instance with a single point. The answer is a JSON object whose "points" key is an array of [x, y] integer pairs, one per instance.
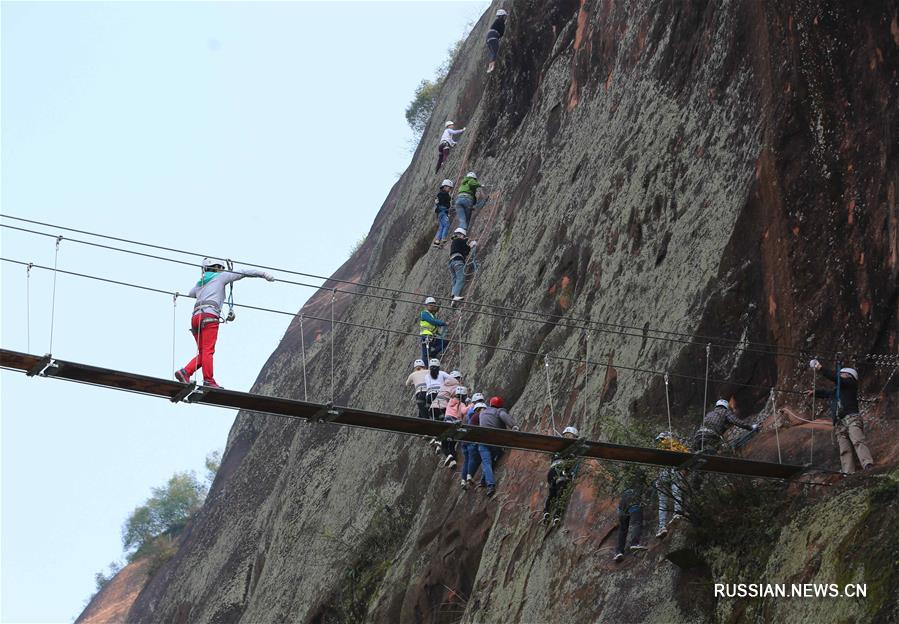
{"points": [[418, 113]]}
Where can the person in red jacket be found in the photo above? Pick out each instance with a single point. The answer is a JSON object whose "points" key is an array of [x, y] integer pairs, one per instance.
{"points": [[204, 324]]}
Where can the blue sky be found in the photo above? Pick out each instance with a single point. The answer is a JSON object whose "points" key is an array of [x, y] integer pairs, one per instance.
{"points": [[270, 132]]}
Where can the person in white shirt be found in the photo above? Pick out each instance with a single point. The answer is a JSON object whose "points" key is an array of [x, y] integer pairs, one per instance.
{"points": [[446, 142], [434, 380], [204, 324], [416, 379]]}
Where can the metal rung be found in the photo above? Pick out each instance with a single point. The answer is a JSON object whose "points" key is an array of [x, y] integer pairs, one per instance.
{"points": [[326, 414], [45, 367], [184, 393]]}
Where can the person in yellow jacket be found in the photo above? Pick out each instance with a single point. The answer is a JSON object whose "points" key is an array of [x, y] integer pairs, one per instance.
{"points": [[430, 328], [667, 483]]}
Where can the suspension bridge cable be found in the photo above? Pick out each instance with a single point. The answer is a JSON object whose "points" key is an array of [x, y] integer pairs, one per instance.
{"points": [[416, 335], [685, 338]]}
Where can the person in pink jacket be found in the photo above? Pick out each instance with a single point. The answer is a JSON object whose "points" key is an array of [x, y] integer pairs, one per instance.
{"points": [[456, 409]]}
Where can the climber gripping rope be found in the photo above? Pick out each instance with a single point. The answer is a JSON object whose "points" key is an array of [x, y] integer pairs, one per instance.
{"points": [[204, 324], [447, 142]]}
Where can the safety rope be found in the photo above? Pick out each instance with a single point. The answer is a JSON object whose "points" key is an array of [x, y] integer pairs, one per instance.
{"points": [[668, 402], [776, 424], [572, 322], [230, 300], [479, 345], [333, 327], [811, 454], [28, 305], [303, 348], [53, 301], [549, 392], [174, 325], [705, 396], [586, 369]]}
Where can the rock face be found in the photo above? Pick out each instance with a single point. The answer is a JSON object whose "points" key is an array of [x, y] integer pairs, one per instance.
{"points": [[668, 174]]}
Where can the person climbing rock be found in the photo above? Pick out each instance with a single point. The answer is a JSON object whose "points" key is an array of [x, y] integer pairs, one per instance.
{"points": [[430, 328], [497, 28], [630, 511], [416, 379], [442, 205], [204, 323], [434, 381], [470, 449], [445, 394], [456, 408], [709, 436], [460, 247], [562, 471], [496, 417], [467, 198], [848, 427], [668, 484], [447, 142]]}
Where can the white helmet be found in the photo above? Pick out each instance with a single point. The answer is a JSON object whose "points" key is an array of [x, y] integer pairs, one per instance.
{"points": [[430, 300], [461, 231], [448, 183], [471, 174], [477, 396], [434, 362], [850, 371], [456, 374], [418, 363], [480, 405], [722, 403], [501, 13], [572, 430], [448, 124], [460, 391], [208, 262]]}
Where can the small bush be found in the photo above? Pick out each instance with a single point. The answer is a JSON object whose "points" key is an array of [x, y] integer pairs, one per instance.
{"points": [[418, 113]]}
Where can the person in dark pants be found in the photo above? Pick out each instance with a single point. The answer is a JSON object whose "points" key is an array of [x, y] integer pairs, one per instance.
{"points": [[459, 250], [559, 478], [847, 421], [442, 205], [430, 328], [470, 449], [418, 380], [630, 513], [447, 142], [497, 28]]}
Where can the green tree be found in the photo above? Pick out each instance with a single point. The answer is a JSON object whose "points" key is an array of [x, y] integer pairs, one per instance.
{"points": [[166, 512], [418, 113], [213, 463]]}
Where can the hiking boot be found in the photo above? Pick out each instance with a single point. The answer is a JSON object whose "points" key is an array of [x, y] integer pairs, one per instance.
{"points": [[212, 385], [868, 467], [464, 484], [182, 376], [436, 243], [637, 547], [618, 557], [545, 519], [452, 464], [458, 298], [662, 533], [675, 518], [449, 458], [556, 521], [491, 491]]}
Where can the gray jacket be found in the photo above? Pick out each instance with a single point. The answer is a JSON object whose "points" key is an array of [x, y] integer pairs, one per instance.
{"points": [[498, 418]]}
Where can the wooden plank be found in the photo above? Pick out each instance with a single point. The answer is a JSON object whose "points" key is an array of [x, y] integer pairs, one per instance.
{"points": [[398, 424]]}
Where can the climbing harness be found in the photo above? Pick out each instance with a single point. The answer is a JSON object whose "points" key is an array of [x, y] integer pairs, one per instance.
{"points": [[53, 304], [549, 392], [230, 300], [303, 348]]}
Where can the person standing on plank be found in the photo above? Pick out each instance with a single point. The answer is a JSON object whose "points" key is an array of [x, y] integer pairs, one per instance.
{"points": [[204, 324]]}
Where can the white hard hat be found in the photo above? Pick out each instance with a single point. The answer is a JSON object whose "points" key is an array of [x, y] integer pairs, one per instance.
{"points": [[418, 363], [456, 374], [851, 371], [471, 174], [722, 403], [461, 231], [571, 430], [477, 396], [430, 300], [208, 262], [501, 13], [814, 363], [480, 405], [448, 124], [460, 391], [448, 183], [434, 362]]}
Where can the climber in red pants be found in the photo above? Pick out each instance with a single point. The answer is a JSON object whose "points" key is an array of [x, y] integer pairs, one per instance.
{"points": [[204, 324]]}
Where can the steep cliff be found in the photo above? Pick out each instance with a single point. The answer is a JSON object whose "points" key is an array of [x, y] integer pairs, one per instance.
{"points": [[681, 168]]}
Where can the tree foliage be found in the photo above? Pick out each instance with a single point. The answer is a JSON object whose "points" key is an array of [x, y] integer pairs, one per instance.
{"points": [[166, 512], [418, 113]]}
